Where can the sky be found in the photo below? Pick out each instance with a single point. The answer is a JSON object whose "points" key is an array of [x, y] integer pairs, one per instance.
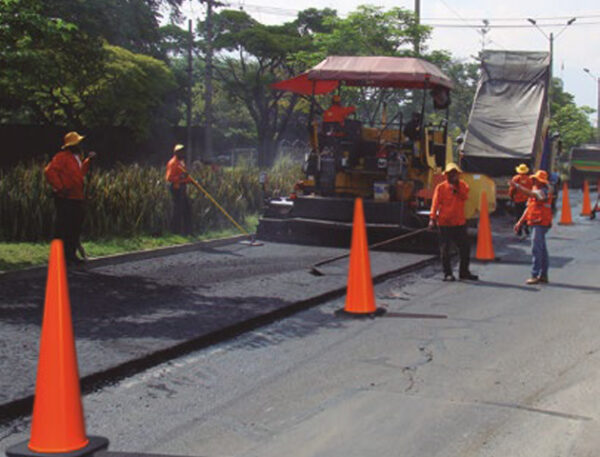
{"points": [[575, 47]]}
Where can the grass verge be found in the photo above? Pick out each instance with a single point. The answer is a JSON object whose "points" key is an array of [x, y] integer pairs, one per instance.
{"points": [[16, 256]]}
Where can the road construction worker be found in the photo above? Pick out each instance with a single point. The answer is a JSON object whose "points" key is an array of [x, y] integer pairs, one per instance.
{"points": [[448, 214], [336, 112], [518, 197], [65, 173], [538, 215], [412, 129], [177, 178]]}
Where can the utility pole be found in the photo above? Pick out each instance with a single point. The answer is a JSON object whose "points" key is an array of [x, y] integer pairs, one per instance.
{"points": [[483, 31], [208, 76], [418, 21], [597, 79], [551, 57], [188, 146], [551, 40]]}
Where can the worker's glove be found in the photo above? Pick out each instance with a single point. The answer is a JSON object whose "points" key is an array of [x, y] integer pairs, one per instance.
{"points": [[516, 228], [432, 224], [92, 154]]}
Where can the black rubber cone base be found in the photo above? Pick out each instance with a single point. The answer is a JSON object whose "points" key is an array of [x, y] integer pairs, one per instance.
{"points": [[343, 313], [97, 443]]}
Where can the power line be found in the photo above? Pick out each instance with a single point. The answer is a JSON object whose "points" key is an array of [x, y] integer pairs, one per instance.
{"points": [[505, 26], [553, 18], [487, 26]]}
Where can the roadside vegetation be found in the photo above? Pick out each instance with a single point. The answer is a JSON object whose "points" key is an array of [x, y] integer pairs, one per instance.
{"points": [[15, 256], [134, 201]]}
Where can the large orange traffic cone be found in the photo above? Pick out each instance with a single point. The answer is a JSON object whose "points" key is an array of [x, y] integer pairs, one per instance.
{"points": [[360, 296], [485, 247], [57, 425], [586, 207], [565, 212]]}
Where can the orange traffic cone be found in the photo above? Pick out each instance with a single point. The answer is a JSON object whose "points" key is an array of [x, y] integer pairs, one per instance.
{"points": [[360, 296], [485, 247], [57, 425], [586, 207], [565, 212]]}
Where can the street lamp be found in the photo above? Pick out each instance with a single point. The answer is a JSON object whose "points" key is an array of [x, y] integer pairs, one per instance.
{"points": [[551, 38], [597, 79]]}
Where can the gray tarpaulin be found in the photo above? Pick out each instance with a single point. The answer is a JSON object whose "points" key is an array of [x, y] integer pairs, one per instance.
{"points": [[509, 108]]}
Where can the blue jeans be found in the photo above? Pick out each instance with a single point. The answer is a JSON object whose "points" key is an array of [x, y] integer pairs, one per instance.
{"points": [[539, 251]]}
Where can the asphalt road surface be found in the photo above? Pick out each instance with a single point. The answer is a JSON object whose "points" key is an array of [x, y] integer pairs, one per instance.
{"points": [[493, 368], [127, 313]]}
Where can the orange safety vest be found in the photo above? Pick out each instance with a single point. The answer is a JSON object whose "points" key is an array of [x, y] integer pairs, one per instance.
{"points": [[65, 174], [539, 212], [338, 113], [515, 194], [175, 173], [448, 204]]}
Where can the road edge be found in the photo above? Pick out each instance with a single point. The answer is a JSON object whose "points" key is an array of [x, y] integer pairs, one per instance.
{"points": [[125, 257]]}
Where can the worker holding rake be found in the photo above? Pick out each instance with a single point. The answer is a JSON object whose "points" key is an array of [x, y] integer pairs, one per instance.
{"points": [[178, 178]]}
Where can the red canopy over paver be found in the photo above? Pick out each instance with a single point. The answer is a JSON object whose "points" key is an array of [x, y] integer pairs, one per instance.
{"points": [[401, 72], [302, 85]]}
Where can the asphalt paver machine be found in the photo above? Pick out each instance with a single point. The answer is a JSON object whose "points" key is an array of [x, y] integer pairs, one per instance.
{"points": [[393, 165]]}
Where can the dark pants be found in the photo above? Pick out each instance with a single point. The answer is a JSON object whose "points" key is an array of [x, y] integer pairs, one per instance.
{"points": [[182, 211], [519, 210], [458, 236], [69, 220]]}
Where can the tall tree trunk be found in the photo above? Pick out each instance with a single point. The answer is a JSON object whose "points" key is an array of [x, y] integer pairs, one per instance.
{"points": [[266, 148]]}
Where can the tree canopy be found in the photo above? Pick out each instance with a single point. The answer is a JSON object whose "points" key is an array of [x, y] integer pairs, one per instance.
{"points": [[120, 62], [569, 120]]}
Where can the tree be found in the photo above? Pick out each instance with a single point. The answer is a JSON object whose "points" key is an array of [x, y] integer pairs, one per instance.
{"points": [[44, 63], [53, 73], [131, 24], [465, 77], [572, 122], [370, 30], [262, 58], [131, 93]]}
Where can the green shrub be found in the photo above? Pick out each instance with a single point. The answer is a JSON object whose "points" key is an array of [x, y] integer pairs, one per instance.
{"points": [[132, 200]]}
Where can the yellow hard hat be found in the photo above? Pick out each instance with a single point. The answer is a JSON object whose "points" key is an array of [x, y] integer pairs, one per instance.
{"points": [[450, 166], [522, 169], [178, 147], [72, 139]]}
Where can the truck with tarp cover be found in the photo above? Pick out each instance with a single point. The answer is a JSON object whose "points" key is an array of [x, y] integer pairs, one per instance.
{"points": [[391, 160], [509, 120]]}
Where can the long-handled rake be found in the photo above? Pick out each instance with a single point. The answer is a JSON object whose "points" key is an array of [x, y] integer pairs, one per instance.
{"points": [[314, 270], [252, 240]]}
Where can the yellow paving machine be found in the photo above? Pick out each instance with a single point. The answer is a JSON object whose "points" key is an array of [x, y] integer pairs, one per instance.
{"points": [[393, 164]]}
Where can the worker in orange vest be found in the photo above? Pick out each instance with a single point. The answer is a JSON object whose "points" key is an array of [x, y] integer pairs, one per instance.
{"points": [[336, 112], [65, 173], [177, 178], [538, 215], [448, 214], [518, 197]]}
